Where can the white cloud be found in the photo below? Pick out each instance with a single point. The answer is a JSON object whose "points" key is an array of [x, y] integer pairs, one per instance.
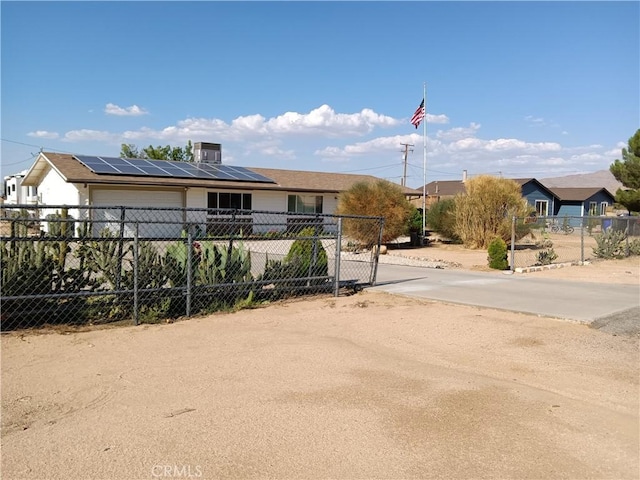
{"points": [[43, 134], [132, 111], [437, 118], [536, 121], [458, 133], [86, 135], [381, 144], [503, 144]]}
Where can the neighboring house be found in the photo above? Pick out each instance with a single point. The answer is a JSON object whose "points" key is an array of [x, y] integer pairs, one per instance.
{"points": [[572, 202], [578, 202], [16, 193], [537, 195], [63, 179]]}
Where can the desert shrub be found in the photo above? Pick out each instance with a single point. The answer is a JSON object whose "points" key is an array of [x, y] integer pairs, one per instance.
{"points": [[610, 244], [441, 219], [546, 257], [634, 247], [485, 210], [414, 224], [498, 254], [309, 254], [379, 199]]}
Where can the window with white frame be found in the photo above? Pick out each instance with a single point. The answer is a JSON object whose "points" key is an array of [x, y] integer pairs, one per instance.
{"points": [[603, 208], [304, 203], [542, 208], [593, 208]]}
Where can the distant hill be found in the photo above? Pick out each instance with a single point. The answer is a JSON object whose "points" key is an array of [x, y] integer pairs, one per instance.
{"points": [[601, 178]]}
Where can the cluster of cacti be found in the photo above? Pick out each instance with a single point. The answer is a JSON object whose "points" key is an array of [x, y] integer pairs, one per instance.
{"points": [[220, 275], [306, 258]]}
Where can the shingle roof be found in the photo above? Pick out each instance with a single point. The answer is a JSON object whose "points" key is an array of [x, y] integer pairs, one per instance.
{"points": [[577, 194], [75, 172], [444, 188]]}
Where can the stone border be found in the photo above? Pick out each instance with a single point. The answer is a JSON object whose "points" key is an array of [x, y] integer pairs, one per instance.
{"points": [[553, 266]]}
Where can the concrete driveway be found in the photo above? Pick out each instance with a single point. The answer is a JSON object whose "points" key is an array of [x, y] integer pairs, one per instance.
{"points": [[578, 301]]}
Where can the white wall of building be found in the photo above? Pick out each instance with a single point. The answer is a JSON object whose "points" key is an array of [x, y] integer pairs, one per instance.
{"points": [[15, 193]]}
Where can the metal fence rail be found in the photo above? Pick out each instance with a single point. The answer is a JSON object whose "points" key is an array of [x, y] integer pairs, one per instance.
{"points": [[89, 265], [538, 241]]}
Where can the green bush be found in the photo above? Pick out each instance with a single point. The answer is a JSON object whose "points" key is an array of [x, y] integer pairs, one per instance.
{"points": [[310, 254], [498, 254], [546, 257], [610, 244], [441, 219]]}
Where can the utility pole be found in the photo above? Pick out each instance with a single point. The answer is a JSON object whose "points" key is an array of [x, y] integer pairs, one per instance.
{"points": [[406, 154]]}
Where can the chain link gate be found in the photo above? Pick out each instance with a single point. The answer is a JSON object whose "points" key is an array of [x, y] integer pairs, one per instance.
{"points": [[81, 265]]}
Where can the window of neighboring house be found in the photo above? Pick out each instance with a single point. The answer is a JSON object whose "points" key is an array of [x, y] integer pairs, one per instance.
{"points": [[593, 208], [603, 208], [13, 187], [240, 201], [542, 208], [304, 203]]}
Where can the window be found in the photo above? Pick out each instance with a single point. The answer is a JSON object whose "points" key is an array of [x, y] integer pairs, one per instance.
{"points": [[603, 208], [239, 201], [593, 208], [304, 203], [542, 208]]}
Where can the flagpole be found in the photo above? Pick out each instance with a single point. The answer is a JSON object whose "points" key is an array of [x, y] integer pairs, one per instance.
{"points": [[424, 162]]}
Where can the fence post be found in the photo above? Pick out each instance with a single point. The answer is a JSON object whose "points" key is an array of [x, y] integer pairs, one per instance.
{"points": [[374, 270], [582, 241], [628, 232], [123, 213], [336, 275], [135, 274], [189, 271], [513, 244]]}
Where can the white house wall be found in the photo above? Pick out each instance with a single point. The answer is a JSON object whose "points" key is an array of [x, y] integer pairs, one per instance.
{"points": [[53, 190]]}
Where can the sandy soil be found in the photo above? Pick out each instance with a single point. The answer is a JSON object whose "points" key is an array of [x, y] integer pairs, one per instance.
{"points": [[362, 386], [626, 270]]}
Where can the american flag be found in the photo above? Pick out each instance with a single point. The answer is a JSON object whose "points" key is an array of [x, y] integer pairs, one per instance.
{"points": [[418, 116]]}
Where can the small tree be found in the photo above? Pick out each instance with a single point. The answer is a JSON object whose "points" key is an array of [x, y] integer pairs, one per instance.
{"points": [[627, 172], [441, 218], [484, 211], [379, 199], [177, 154], [497, 252]]}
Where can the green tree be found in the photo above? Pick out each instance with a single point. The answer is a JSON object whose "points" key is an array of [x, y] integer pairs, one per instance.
{"points": [[441, 218], [379, 199], [177, 154], [484, 211], [627, 172]]}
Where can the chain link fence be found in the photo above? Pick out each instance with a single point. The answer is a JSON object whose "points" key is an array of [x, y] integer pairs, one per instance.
{"points": [[80, 265], [538, 241]]}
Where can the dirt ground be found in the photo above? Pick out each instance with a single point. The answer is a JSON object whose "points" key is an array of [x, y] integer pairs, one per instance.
{"points": [[362, 386]]}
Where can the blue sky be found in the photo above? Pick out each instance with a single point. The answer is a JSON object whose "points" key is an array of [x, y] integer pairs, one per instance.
{"points": [[521, 89]]}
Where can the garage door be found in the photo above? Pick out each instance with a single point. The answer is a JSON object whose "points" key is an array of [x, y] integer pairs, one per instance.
{"points": [[151, 223]]}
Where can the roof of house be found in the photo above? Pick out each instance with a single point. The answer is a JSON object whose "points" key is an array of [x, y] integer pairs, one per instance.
{"points": [[73, 171], [444, 188], [578, 194]]}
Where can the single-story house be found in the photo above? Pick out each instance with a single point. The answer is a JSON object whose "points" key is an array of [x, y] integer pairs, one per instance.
{"points": [[536, 193], [578, 202], [65, 179]]}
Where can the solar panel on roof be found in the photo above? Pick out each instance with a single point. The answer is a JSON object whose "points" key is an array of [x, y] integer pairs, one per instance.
{"points": [[140, 167]]}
